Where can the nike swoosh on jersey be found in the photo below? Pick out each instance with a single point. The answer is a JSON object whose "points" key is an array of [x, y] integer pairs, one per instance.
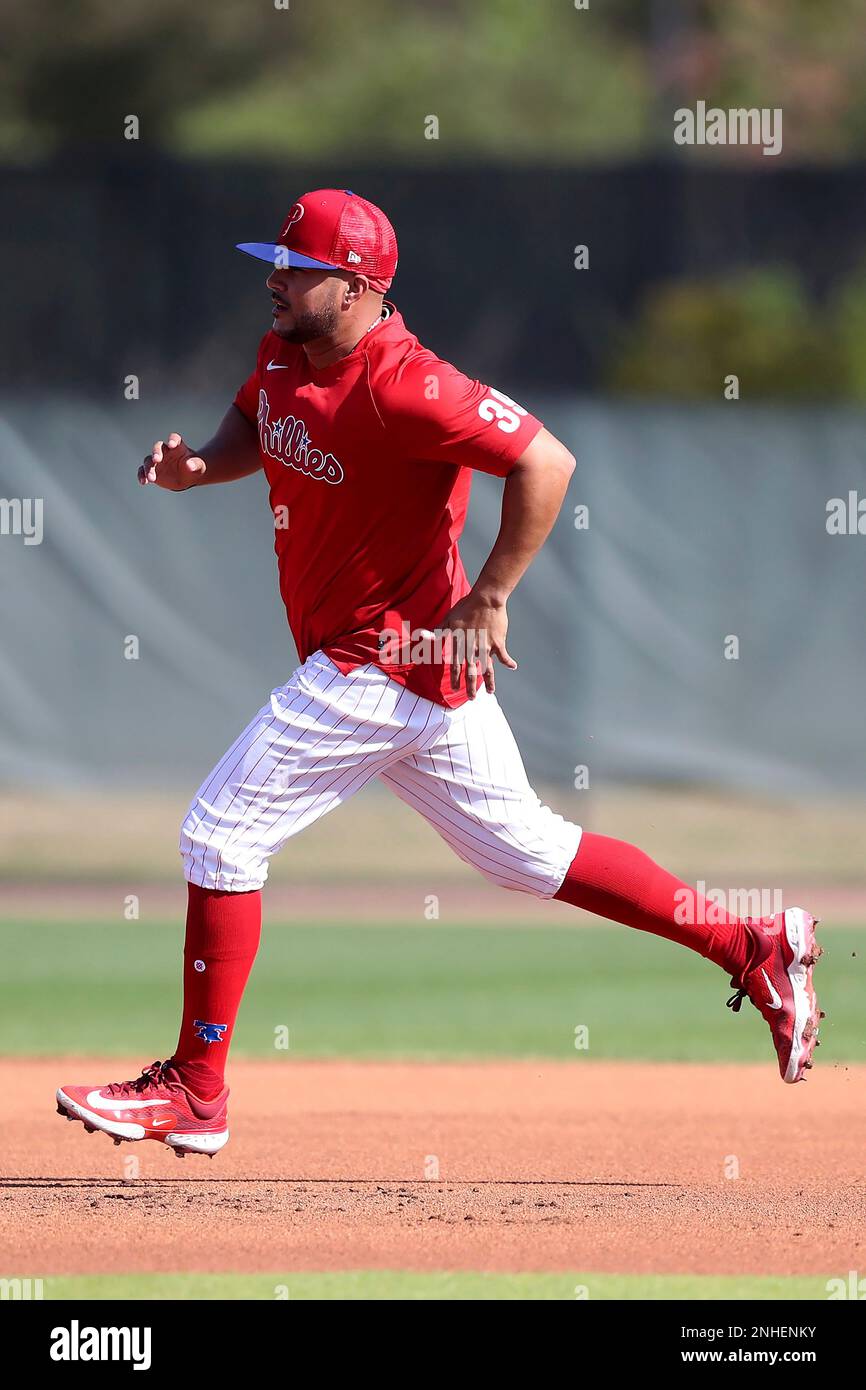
{"points": [[276, 366]]}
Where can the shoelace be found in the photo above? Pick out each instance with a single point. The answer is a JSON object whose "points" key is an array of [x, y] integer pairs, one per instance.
{"points": [[735, 1003], [151, 1076]]}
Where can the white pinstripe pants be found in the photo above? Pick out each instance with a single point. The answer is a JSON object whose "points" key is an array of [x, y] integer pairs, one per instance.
{"points": [[323, 735]]}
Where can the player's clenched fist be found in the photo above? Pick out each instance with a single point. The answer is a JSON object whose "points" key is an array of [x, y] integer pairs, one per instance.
{"points": [[171, 464]]}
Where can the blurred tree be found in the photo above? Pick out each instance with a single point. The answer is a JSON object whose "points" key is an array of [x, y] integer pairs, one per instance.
{"points": [[506, 78], [806, 56], [509, 79], [758, 325], [848, 316], [70, 75]]}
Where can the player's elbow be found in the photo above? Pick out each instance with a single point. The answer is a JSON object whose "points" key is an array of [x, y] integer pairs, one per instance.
{"points": [[547, 454], [567, 462], [558, 462]]}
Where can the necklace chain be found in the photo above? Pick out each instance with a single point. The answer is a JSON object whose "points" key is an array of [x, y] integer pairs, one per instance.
{"points": [[384, 315], [377, 319]]}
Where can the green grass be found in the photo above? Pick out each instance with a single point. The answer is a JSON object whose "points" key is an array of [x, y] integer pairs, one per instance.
{"points": [[394, 1284], [415, 992]]}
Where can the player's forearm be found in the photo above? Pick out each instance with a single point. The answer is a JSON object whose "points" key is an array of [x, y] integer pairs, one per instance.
{"points": [[531, 501], [233, 452]]}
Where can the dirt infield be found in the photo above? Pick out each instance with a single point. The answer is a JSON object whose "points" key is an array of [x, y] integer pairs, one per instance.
{"points": [[604, 1166]]}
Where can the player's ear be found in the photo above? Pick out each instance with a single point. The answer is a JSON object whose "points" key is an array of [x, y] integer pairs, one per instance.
{"points": [[356, 287]]}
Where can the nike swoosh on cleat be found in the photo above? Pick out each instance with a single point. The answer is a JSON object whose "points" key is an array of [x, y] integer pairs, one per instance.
{"points": [[96, 1098], [775, 997]]}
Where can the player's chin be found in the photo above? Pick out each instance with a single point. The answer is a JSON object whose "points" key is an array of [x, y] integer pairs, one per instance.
{"points": [[284, 326], [293, 333]]}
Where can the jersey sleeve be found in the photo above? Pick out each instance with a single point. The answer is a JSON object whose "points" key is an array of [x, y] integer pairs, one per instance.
{"points": [[247, 396], [436, 413]]}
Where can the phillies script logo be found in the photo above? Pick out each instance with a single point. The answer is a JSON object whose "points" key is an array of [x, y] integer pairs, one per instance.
{"points": [[287, 442]]}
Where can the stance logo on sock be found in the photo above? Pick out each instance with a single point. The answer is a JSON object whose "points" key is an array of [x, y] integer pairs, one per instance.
{"points": [[199, 965], [210, 1032]]}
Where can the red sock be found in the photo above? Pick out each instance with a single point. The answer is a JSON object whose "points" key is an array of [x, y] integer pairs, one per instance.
{"points": [[222, 937], [616, 880]]}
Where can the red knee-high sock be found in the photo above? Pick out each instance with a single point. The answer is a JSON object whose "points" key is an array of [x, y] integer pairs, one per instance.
{"points": [[614, 879], [222, 937]]}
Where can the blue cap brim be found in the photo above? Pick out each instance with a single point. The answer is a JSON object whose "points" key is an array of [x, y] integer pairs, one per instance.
{"points": [[282, 256]]}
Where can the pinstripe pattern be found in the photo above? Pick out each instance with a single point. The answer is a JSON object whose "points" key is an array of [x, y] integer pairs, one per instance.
{"points": [[323, 735], [472, 787]]}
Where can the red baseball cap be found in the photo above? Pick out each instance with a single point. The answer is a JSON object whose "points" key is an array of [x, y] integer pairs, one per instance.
{"points": [[333, 229]]}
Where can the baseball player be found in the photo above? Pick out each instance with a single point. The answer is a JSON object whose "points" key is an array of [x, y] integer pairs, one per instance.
{"points": [[368, 442]]}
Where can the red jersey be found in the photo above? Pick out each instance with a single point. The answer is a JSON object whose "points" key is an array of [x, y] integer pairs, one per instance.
{"points": [[369, 464]]}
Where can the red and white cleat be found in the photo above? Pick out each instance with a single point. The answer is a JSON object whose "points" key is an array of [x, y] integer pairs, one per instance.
{"points": [[156, 1105], [778, 980]]}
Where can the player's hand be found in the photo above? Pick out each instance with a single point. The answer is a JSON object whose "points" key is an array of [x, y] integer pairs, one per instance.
{"points": [[171, 464], [479, 625]]}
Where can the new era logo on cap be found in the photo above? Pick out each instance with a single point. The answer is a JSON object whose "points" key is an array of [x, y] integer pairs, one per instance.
{"points": [[333, 229]]}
